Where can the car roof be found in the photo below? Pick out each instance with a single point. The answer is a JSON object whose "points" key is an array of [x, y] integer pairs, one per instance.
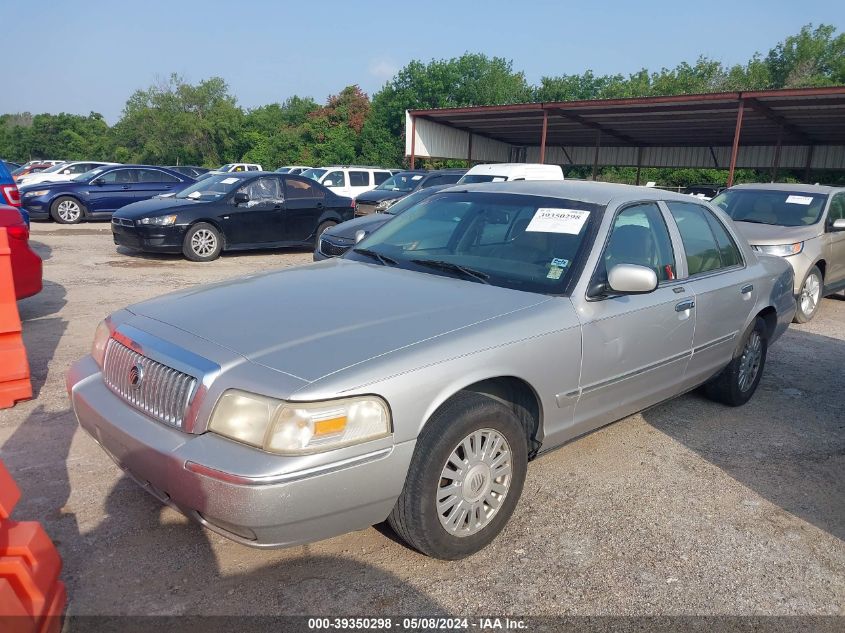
{"points": [[784, 186], [582, 190]]}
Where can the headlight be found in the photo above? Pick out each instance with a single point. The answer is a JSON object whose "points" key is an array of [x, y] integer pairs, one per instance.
{"points": [[40, 192], [101, 338], [782, 250], [384, 205], [160, 220], [295, 428]]}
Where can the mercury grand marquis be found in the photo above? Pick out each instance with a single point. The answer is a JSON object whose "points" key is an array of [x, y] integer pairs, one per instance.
{"points": [[413, 379]]}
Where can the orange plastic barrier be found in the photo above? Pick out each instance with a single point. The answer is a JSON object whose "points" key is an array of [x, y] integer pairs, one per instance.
{"points": [[32, 598], [14, 368]]}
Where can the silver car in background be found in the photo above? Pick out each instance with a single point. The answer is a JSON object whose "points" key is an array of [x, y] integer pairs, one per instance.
{"points": [[413, 379], [804, 224]]}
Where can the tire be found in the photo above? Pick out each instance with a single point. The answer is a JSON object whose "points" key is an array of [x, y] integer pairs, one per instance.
{"points": [[734, 386], [68, 210], [810, 296], [472, 420], [202, 243], [324, 226]]}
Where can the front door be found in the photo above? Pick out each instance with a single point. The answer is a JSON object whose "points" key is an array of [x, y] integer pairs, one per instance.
{"points": [[259, 220], [835, 245], [635, 347], [717, 276], [337, 181], [111, 190]]}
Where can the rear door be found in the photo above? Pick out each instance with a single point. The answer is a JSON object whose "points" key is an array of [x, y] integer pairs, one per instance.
{"points": [[635, 347], [305, 201], [717, 275], [152, 182]]}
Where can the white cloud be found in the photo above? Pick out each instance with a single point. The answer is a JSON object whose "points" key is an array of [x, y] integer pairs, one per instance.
{"points": [[383, 69]]}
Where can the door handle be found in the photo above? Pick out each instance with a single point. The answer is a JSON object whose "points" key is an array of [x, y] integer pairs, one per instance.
{"points": [[746, 289], [689, 304], [319, 205]]}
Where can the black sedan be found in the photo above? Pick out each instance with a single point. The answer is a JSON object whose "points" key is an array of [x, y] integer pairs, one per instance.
{"points": [[339, 239], [235, 211], [400, 185]]}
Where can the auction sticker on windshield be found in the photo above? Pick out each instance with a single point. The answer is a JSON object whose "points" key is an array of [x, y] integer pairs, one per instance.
{"points": [[547, 220], [229, 181], [805, 200]]}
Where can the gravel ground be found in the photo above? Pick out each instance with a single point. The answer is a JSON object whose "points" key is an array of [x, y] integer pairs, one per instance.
{"points": [[687, 508]]}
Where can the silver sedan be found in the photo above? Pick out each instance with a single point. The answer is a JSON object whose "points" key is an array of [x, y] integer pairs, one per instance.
{"points": [[415, 378]]}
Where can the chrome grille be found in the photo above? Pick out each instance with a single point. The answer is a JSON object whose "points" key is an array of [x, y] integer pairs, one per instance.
{"points": [[160, 391], [333, 250], [123, 222]]}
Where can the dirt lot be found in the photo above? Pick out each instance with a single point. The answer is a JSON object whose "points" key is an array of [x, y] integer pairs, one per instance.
{"points": [[688, 508]]}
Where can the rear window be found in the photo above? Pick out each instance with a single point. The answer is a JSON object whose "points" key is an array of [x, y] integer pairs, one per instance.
{"points": [[476, 178], [359, 179]]}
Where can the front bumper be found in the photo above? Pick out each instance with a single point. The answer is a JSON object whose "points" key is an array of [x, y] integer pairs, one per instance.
{"points": [[155, 239], [330, 246], [37, 207], [189, 473]]}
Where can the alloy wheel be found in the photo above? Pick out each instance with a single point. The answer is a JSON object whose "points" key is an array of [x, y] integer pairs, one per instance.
{"points": [[69, 211], [810, 294], [203, 242], [474, 482], [749, 363]]}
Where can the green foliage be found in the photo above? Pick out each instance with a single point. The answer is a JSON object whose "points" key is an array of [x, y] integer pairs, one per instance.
{"points": [[178, 122]]}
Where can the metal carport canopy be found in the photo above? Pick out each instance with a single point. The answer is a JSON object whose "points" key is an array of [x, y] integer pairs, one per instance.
{"points": [[790, 128]]}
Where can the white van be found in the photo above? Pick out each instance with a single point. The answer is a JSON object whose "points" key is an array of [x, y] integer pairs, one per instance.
{"points": [[230, 167], [502, 172], [349, 180]]}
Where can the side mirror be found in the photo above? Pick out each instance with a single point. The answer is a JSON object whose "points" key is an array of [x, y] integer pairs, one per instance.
{"points": [[360, 235], [838, 225], [239, 198], [98, 181], [631, 279]]}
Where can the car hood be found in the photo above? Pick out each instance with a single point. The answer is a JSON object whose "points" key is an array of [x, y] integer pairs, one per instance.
{"points": [[374, 196], [154, 206], [316, 320], [65, 185], [367, 223], [768, 234]]}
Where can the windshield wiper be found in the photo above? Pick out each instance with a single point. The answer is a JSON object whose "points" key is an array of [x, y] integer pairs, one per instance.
{"points": [[452, 267], [752, 221], [384, 260]]}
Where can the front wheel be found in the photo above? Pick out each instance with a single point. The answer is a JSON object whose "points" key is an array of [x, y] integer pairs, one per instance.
{"points": [[325, 226], [810, 296], [202, 243], [67, 210], [738, 381], [464, 480]]}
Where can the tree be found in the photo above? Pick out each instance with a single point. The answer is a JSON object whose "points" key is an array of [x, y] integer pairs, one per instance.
{"points": [[813, 57]]}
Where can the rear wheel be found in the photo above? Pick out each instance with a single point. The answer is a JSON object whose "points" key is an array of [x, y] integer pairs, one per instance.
{"points": [[67, 210], [464, 480], [810, 295], [738, 381], [325, 226], [202, 243]]}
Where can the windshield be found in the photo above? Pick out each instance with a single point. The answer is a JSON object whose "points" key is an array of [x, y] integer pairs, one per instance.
{"points": [[54, 168], [778, 208], [88, 175], [314, 174], [522, 242], [403, 204], [210, 188], [469, 179], [401, 182]]}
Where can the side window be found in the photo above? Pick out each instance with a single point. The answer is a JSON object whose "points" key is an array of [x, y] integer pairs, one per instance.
{"points": [[639, 236], [728, 250], [697, 236], [81, 168], [263, 191], [118, 175], [380, 176], [837, 209], [334, 179], [359, 179], [154, 175], [300, 189]]}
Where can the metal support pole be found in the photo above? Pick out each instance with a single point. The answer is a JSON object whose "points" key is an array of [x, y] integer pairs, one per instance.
{"points": [[596, 158], [735, 148], [776, 156], [639, 163], [809, 163], [543, 137], [413, 140]]}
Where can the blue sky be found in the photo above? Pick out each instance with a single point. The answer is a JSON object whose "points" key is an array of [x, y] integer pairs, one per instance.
{"points": [[78, 57]]}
